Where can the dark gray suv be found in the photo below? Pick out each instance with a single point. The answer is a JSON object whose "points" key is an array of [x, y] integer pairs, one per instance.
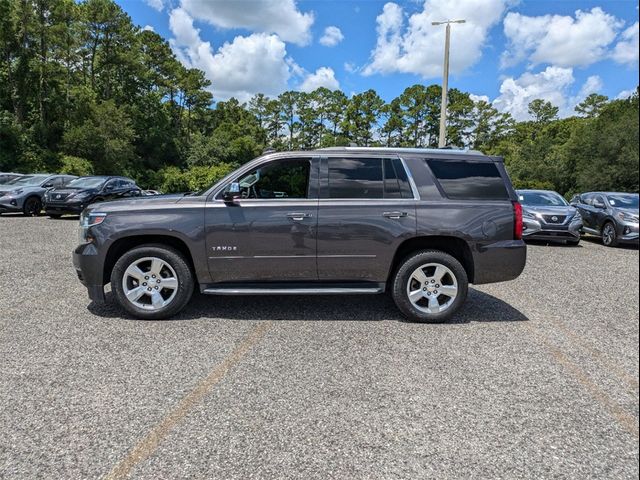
{"points": [[613, 216], [422, 224]]}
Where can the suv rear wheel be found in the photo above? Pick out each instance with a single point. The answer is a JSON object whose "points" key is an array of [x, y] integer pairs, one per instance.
{"points": [[152, 282], [430, 286]]}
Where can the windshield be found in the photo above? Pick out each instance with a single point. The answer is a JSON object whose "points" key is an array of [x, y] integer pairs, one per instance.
{"points": [[542, 199], [623, 200], [86, 182], [29, 180]]}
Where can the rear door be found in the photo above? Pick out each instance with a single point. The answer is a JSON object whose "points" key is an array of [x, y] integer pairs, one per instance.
{"points": [[367, 208]]}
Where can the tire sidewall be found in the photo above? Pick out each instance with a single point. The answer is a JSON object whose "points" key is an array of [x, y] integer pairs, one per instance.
{"points": [[614, 240], [26, 211], [180, 267], [408, 266]]}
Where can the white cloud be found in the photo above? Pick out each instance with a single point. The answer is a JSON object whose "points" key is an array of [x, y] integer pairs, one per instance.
{"points": [[559, 40], [479, 98], [551, 84], [626, 50], [418, 46], [322, 77], [624, 94], [156, 4], [148, 28], [241, 68], [281, 17], [332, 36]]}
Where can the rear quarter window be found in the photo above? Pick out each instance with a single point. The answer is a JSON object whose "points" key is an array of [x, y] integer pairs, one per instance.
{"points": [[465, 180]]}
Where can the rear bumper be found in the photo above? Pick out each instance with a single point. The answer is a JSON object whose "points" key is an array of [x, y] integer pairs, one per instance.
{"points": [[499, 261], [89, 265]]}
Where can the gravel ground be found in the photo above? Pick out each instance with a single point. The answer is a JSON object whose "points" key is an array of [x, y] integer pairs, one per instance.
{"points": [[536, 378]]}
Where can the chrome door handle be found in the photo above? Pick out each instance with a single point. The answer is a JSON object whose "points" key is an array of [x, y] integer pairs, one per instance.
{"points": [[394, 215], [298, 217]]}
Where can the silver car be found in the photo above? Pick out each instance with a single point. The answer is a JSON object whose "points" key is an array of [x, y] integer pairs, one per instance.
{"points": [[548, 216], [24, 194]]}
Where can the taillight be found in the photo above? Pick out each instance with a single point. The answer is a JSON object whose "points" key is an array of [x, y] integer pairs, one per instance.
{"points": [[517, 221]]}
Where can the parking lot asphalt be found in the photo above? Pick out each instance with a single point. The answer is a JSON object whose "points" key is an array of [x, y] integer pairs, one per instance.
{"points": [[535, 378]]}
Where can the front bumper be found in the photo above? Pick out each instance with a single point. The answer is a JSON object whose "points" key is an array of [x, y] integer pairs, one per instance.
{"points": [[535, 229], [11, 204], [628, 232], [64, 208], [89, 267]]}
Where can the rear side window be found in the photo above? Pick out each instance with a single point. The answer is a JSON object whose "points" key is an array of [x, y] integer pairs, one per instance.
{"points": [[368, 178], [469, 180]]}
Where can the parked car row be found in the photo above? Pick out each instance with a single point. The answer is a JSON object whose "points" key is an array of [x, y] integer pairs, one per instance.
{"points": [[613, 216], [60, 195]]}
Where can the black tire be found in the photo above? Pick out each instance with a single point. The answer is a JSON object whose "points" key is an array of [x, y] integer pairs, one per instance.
{"points": [[32, 207], [55, 216], [573, 243], [404, 273], [609, 235], [177, 262]]}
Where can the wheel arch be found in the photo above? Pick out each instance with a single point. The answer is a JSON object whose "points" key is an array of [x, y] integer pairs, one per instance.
{"points": [[122, 245], [457, 247]]}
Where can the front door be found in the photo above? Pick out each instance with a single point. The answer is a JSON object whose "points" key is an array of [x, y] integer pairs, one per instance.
{"points": [[367, 208], [269, 233]]}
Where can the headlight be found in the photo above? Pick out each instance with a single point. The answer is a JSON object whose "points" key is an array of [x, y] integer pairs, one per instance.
{"points": [[528, 214], [16, 192], [78, 196], [86, 222], [627, 217]]}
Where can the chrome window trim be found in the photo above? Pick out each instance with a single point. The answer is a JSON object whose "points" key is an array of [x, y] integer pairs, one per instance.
{"points": [[412, 183]]}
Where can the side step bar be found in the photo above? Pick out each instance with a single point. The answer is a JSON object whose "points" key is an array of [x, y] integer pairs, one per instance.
{"points": [[293, 291]]}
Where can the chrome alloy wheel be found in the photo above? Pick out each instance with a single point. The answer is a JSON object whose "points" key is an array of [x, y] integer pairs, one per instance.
{"points": [[432, 288], [150, 283], [609, 234]]}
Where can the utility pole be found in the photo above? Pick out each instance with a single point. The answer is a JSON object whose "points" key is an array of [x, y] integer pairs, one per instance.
{"points": [[442, 140]]}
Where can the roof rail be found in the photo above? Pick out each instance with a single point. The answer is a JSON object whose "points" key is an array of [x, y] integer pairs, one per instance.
{"points": [[448, 150]]}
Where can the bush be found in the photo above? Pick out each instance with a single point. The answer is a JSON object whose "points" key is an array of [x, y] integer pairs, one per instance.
{"points": [[75, 166], [197, 178]]}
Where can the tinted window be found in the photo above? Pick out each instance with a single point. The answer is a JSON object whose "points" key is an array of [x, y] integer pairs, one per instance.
{"points": [[620, 200], [356, 178], [396, 183], [281, 179], [469, 180]]}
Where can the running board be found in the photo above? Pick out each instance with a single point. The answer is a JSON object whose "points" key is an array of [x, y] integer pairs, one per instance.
{"points": [[293, 291]]}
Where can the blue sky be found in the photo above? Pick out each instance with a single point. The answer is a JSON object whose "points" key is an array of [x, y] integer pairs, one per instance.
{"points": [[508, 51]]}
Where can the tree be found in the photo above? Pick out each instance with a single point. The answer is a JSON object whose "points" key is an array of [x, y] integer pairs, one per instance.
{"points": [[361, 116], [542, 111], [592, 105]]}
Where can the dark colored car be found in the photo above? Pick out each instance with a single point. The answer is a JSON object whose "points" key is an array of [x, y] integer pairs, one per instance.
{"points": [[613, 216], [419, 223], [26, 193], [548, 216], [76, 195]]}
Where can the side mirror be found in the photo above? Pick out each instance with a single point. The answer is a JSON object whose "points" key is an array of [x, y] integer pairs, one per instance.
{"points": [[48, 185], [232, 192], [598, 204]]}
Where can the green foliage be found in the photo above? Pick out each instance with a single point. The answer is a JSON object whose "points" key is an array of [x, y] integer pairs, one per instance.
{"points": [[82, 89], [75, 166]]}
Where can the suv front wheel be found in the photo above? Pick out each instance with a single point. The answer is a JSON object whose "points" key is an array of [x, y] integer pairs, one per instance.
{"points": [[152, 282], [430, 286]]}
